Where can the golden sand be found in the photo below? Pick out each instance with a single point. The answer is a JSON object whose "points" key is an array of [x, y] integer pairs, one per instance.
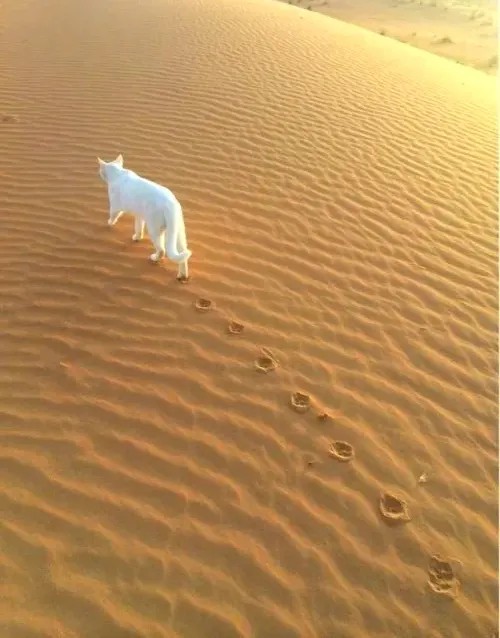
{"points": [[339, 190]]}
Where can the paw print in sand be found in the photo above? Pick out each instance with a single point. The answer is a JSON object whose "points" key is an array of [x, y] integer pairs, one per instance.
{"points": [[235, 328], [342, 451], [300, 402], [266, 363], [442, 579], [204, 305], [393, 509]]}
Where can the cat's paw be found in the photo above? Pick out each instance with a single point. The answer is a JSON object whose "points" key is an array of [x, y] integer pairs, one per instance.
{"points": [[136, 237], [111, 222], [155, 258]]}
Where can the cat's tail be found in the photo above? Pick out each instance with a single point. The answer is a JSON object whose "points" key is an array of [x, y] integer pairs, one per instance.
{"points": [[175, 227]]}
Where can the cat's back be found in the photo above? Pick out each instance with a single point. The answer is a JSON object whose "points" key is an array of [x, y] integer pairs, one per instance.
{"points": [[149, 189]]}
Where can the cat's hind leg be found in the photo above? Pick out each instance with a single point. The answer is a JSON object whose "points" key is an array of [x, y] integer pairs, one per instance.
{"points": [[159, 243], [138, 229], [182, 269]]}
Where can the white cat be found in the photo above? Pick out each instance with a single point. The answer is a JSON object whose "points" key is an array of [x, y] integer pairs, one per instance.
{"points": [[152, 205]]}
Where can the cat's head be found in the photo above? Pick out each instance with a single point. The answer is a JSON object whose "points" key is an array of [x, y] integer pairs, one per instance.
{"points": [[108, 169]]}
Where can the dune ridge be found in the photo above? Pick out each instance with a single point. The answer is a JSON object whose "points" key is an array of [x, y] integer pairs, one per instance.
{"points": [[340, 194], [465, 31]]}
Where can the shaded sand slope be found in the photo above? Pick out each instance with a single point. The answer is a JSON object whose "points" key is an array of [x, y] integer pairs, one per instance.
{"points": [[339, 192]]}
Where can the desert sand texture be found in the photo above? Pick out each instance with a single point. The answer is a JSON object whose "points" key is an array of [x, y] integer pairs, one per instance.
{"points": [[302, 441], [463, 30]]}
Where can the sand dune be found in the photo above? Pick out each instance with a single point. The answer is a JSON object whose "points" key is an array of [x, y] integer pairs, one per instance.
{"points": [[339, 191], [465, 31]]}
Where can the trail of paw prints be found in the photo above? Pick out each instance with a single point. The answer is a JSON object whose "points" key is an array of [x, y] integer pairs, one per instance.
{"points": [[202, 304], [393, 509], [266, 362]]}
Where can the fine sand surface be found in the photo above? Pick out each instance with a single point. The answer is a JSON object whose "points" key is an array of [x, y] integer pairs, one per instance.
{"points": [[339, 191], [463, 30]]}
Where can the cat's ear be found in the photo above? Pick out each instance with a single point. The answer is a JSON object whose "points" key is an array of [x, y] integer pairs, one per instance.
{"points": [[100, 161], [119, 160]]}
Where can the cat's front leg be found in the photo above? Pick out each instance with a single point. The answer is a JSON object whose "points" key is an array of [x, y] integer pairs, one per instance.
{"points": [[138, 229], [183, 271], [114, 216], [159, 244]]}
